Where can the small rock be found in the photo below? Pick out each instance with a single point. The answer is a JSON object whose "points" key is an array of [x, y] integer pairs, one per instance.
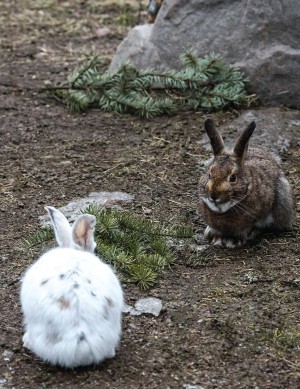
{"points": [[146, 211], [188, 386], [72, 209], [2, 382], [149, 305], [101, 32], [126, 308], [200, 247], [295, 122], [7, 355]]}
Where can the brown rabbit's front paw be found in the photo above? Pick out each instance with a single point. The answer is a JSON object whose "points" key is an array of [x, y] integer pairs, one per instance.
{"points": [[227, 242], [210, 233], [215, 237]]}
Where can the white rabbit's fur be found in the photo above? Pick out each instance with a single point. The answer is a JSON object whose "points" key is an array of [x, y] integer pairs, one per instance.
{"points": [[71, 300]]}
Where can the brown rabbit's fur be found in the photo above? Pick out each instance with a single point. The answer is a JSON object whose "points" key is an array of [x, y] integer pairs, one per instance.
{"points": [[242, 192]]}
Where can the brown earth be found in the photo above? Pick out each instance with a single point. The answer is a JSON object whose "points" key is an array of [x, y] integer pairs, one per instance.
{"points": [[231, 322]]}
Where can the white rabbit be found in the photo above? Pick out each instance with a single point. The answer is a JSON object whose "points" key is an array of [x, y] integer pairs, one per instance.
{"points": [[72, 301]]}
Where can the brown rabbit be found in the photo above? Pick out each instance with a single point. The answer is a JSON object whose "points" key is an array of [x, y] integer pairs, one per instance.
{"points": [[243, 191]]}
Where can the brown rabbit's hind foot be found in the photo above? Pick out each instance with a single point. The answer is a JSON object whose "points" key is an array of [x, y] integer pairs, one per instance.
{"points": [[267, 222]]}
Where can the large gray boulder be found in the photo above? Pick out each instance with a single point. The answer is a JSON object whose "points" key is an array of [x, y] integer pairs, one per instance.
{"points": [[262, 37]]}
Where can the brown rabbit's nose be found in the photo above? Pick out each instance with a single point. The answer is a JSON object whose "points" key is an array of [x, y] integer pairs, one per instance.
{"points": [[213, 196]]}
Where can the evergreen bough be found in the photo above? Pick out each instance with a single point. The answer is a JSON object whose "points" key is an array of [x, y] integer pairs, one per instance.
{"points": [[207, 84], [137, 248]]}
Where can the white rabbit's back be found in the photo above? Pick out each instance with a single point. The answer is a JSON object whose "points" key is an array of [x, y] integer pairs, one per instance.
{"points": [[72, 305]]}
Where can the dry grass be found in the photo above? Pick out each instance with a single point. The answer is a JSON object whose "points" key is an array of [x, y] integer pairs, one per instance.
{"points": [[45, 25]]}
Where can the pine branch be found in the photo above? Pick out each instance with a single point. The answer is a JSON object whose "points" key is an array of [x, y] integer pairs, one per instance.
{"points": [[83, 70], [206, 83], [44, 235], [144, 276], [137, 248]]}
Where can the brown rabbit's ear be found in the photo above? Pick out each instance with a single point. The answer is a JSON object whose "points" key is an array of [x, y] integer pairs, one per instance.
{"points": [[216, 140], [241, 144]]}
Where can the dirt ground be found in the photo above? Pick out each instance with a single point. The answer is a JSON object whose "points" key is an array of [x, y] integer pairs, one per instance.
{"points": [[232, 321]]}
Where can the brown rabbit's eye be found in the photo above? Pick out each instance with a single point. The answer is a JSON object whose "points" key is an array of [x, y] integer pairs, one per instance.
{"points": [[209, 175], [232, 178]]}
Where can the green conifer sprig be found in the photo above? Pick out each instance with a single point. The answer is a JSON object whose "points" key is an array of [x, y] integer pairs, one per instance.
{"points": [[206, 83], [42, 236], [138, 248], [142, 275]]}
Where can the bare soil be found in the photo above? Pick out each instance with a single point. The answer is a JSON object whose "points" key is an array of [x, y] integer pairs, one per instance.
{"points": [[232, 321]]}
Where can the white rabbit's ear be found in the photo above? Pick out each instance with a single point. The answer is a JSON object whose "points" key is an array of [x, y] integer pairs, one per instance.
{"points": [[83, 232], [61, 226]]}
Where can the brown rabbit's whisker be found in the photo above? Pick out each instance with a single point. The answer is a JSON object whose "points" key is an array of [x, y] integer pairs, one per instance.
{"points": [[236, 210], [239, 202], [244, 209], [239, 198]]}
